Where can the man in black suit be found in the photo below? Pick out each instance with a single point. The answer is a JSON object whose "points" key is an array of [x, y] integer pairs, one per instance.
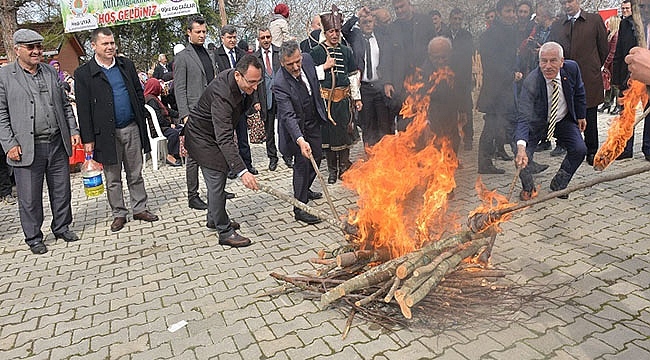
{"points": [[301, 113], [162, 67], [268, 55], [367, 45], [227, 55], [209, 140]]}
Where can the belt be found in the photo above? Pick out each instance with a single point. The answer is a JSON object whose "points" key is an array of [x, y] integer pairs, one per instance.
{"points": [[338, 93]]}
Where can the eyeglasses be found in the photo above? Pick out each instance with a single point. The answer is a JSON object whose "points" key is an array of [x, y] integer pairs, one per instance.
{"points": [[265, 37], [251, 82], [31, 47]]}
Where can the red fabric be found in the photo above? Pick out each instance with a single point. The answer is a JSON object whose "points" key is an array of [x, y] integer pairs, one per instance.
{"points": [[282, 9], [152, 90]]}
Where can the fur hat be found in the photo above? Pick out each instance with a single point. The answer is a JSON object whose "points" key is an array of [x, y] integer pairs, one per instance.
{"points": [[332, 19]]}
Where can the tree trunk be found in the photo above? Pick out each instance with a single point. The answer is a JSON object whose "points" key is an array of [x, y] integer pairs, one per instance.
{"points": [[8, 10]]}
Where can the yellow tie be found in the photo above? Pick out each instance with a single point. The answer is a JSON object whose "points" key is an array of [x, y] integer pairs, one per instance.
{"points": [[552, 114]]}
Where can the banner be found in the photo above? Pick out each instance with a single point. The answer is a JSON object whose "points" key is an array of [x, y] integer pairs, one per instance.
{"points": [[79, 15]]}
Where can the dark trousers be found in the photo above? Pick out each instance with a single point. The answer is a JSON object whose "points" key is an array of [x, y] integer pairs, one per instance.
{"points": [[51, 162], [303, 172], [173, 142], [242, 142], [591, 132], [215, 181], [192, 177], [269, 129], [374, 117], [5, 178], [497, 129], [645, 147]]}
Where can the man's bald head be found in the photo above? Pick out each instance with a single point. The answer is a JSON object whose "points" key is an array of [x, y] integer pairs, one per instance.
{"points": [[439, 51]]}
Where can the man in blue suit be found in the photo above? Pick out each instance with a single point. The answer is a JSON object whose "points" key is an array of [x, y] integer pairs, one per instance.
{"points": [[301, 112], [553, 94]]}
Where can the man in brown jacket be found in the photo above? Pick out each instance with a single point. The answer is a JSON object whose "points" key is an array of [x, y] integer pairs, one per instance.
{"points": [[209, 140], [583, 37]]}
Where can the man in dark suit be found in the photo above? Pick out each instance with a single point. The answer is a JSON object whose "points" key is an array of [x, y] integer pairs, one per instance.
{"points": [[110, 107], [162, 67], [194, 69], [268, 55], [367, 46], [209, 140], [301, 113], [227, 55], [37, 132], [584, 39], [562, 117]]}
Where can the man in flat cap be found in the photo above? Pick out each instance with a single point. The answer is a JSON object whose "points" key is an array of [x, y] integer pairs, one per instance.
{"points": [[37, 132], [339, 86]]}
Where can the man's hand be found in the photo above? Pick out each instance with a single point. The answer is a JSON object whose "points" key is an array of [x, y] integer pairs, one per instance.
{"points": [[257, 107], [518, 76], [389, 90], [15, 153], [75, 139], [521, 160], [582, 124], [184, 120], [249, 181], [638, 63], [329, 63], [363, 12], [305, 148], [358, 105], [88, 148]]}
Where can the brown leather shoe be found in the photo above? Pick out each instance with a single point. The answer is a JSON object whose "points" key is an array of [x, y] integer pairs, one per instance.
{"points": [[118, 224], [235, 240], [233, 224], [145, 216]]}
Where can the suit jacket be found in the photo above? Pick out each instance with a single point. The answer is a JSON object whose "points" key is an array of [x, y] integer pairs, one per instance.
{"points": [[586, 43], [159, 70], [357, 42], [292, 119], [532, 117], [264, 90], [209, 133], [223, 59], [189, 79], [627, 39], [17, 111], [95, 110]]}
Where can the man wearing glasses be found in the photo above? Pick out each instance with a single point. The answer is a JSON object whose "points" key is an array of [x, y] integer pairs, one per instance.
{"points": [[209, 140], [37, 132]]}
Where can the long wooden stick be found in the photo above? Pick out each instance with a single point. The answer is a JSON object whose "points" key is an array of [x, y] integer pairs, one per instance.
{"points": [[323, 185]]}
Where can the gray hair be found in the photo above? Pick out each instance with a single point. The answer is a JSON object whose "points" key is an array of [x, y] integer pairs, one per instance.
{"points": [[288, 48], [551, 45], [161, 56], [228, 29], [440, 38]]}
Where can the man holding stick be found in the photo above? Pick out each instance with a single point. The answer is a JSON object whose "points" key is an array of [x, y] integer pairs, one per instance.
{"points": [[301, 113]]}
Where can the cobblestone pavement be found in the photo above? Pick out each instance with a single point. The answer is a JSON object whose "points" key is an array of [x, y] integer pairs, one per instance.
{"points": [[115, 295]]}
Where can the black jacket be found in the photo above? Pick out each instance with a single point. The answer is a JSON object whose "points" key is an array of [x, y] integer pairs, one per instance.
{"points": [[627, 39]]}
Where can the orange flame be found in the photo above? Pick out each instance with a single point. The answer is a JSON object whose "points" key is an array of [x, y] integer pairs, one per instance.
{"points": [[404, 185], [622, 127], [491, 202]]}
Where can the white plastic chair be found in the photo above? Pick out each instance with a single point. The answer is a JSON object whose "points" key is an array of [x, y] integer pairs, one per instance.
{"points": [[159, 142]]}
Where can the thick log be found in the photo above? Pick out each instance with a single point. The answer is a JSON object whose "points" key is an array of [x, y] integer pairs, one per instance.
{"points": [[352, 258], [426, 269]]}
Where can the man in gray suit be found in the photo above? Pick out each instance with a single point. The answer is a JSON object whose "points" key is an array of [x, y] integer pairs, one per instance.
{"points": [[37, 132], [194, 68]]}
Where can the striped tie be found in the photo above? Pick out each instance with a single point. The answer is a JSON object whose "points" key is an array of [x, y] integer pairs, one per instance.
{"points": [[552, 114]]}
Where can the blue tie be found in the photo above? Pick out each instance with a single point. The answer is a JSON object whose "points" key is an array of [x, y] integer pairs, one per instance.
{"points": [[232, 58]]}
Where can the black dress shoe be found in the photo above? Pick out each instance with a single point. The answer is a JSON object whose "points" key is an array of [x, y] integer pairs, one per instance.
{"points": [[174, 164], [229, 195], [558, 151], [68, 236], [304, 216], [235, 240], [273, 164], [118, 224], [288, 161], [253, 170], [233, 224], [313, 195], [38, 248], [543, 146], [490, 169], [590, 159], [197, 203], [625, 155]]}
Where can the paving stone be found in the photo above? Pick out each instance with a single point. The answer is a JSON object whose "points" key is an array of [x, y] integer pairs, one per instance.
{"points": [[619, 337], [140, 344], [631, 352], [591, 348], [162, 351], [518, 351], [580, 329]]}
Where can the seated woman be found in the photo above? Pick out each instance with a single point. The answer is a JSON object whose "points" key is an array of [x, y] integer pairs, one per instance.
{"points": [[171, 130]]}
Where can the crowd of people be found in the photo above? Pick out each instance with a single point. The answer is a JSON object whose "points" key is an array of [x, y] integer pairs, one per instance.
{"points": [[542, 79]]}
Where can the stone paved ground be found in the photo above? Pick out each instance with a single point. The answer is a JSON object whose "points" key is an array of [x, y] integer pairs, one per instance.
{"points": [[114, 295]]}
